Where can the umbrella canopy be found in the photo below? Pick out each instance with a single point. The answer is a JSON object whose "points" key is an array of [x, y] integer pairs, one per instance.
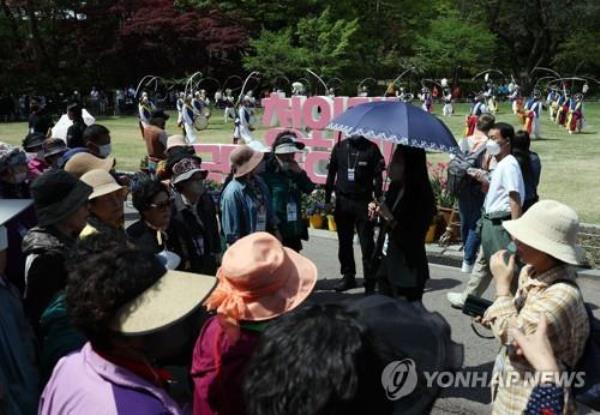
{"points": [[398, 122]]}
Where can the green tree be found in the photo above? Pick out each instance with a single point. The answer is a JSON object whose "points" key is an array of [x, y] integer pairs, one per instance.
{"points": [[579, 53], [327, 43], [322, 43], [453, 41], [274, 55]]}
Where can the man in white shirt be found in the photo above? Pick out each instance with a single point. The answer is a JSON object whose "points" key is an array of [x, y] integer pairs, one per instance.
{"points": [[503, 201]]}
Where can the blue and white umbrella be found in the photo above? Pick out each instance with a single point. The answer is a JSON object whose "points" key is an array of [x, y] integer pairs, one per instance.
{"points": [[398, 122]]}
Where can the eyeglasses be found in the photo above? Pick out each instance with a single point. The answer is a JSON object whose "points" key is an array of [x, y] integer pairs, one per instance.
{"points": [[161, 205]]}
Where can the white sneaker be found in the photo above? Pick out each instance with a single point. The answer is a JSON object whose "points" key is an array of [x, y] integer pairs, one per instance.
{"points": [[467, 268], [457, 300]]}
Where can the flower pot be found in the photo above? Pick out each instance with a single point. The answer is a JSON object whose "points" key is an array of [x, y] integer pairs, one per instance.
{"points": [[316, 221], [431, 231], [331, 223], [446, 212]]}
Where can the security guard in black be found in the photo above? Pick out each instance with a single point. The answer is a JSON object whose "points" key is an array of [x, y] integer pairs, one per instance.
{"points": [[355, 172]]}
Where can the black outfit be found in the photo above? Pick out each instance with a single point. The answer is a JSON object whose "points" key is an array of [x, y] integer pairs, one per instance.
{"points": [[194, 234], [40, 122], [144, 237], [75, 134], [404, 271], [357, 164], [46, 274]]}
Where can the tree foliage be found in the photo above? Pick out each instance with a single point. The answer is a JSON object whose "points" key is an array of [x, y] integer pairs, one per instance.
{"points": [[323, 44], [452, 41]]}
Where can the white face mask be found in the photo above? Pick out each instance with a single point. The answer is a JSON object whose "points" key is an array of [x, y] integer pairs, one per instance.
{"points": [[104, 150], [492, 147]]}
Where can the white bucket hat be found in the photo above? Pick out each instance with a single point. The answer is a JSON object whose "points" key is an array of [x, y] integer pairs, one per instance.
{"points": [[102, 182], [550, 227]]}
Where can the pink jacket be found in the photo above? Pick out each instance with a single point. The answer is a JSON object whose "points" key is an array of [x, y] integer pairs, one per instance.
{"points": [[217, 370]]}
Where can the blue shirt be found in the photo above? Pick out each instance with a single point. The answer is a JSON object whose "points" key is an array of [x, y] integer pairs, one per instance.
{"points": [[246, 208]]}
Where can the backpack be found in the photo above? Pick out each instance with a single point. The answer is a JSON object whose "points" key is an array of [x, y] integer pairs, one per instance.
{"points": [[458, 179], [589, 363]]}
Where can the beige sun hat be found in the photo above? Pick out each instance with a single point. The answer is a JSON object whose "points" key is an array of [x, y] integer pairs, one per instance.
{"points": [[176, 140], [81, 163], [173, 297], [244, 159], [102, 182], [551, 227]]}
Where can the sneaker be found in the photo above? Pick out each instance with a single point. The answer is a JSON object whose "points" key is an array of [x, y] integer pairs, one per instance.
{"points": [[457, 300], [467, 268]]}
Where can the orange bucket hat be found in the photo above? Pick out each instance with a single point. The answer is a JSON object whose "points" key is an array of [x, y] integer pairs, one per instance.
{"points": [[260, 279]]}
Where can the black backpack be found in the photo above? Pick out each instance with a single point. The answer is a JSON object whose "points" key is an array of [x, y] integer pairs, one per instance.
{"points": [[458, 179]]}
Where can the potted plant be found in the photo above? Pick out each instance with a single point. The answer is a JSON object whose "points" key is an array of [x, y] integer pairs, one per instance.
{"points": [[331, 225], [315, 208], [438, 177]]}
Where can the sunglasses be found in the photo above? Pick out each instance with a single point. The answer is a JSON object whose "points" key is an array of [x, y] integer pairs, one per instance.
{"points": [[161, 205]]}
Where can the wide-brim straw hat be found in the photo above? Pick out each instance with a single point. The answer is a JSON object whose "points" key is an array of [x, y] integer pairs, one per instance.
{"points": [[260, 279], [81, 163], [550, 227], [244, 159], [102, 182], [173, 297]]}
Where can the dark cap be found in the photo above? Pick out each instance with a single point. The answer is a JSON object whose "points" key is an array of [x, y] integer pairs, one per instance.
{"points": [[32, 143], [57, 195]]}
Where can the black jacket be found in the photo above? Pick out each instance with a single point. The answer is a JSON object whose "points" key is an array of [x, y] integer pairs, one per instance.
{"points": [[75, 134], [412, 216], [144, 237], [365, 158], [46, 249], [195, 237]]}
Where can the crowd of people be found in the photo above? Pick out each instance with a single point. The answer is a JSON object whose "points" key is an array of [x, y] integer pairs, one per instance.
{"points": [[202, 303]]}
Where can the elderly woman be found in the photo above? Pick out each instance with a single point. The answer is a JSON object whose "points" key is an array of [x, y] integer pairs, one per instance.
{"points": [[545, 237], [120, 297], [152, 199]]}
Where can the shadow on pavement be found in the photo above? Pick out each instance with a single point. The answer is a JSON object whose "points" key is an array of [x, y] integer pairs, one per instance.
{"points": [[479, 393], [435, 284]]}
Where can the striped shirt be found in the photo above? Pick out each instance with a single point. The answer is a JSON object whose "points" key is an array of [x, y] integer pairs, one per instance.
{"points": [[568, 330]]}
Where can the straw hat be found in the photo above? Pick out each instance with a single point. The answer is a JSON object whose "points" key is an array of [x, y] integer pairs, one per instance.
{"points": [[171, 298], [243, 160], [176, 141], [259, 279], [102, 182], [83, 162], [551, 227]]}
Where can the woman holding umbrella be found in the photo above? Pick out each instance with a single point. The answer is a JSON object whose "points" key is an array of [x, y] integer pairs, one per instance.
{"points": [[407, 211], [409, 204]]}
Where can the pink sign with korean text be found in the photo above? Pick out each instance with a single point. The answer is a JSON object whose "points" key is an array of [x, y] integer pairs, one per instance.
{"points": [[308, 117]]}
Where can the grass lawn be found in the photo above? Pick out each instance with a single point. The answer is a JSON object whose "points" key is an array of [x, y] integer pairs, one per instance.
{"points": [[570, 164]]}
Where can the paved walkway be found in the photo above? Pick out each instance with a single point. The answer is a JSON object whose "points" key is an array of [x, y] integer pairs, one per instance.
{"points": [[479, 353]]}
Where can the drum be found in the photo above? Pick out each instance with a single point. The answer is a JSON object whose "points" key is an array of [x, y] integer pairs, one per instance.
{"points": [[200, 122]]}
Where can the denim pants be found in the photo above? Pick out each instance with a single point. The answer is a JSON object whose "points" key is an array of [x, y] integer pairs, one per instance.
{"points": [[469, 207]]}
